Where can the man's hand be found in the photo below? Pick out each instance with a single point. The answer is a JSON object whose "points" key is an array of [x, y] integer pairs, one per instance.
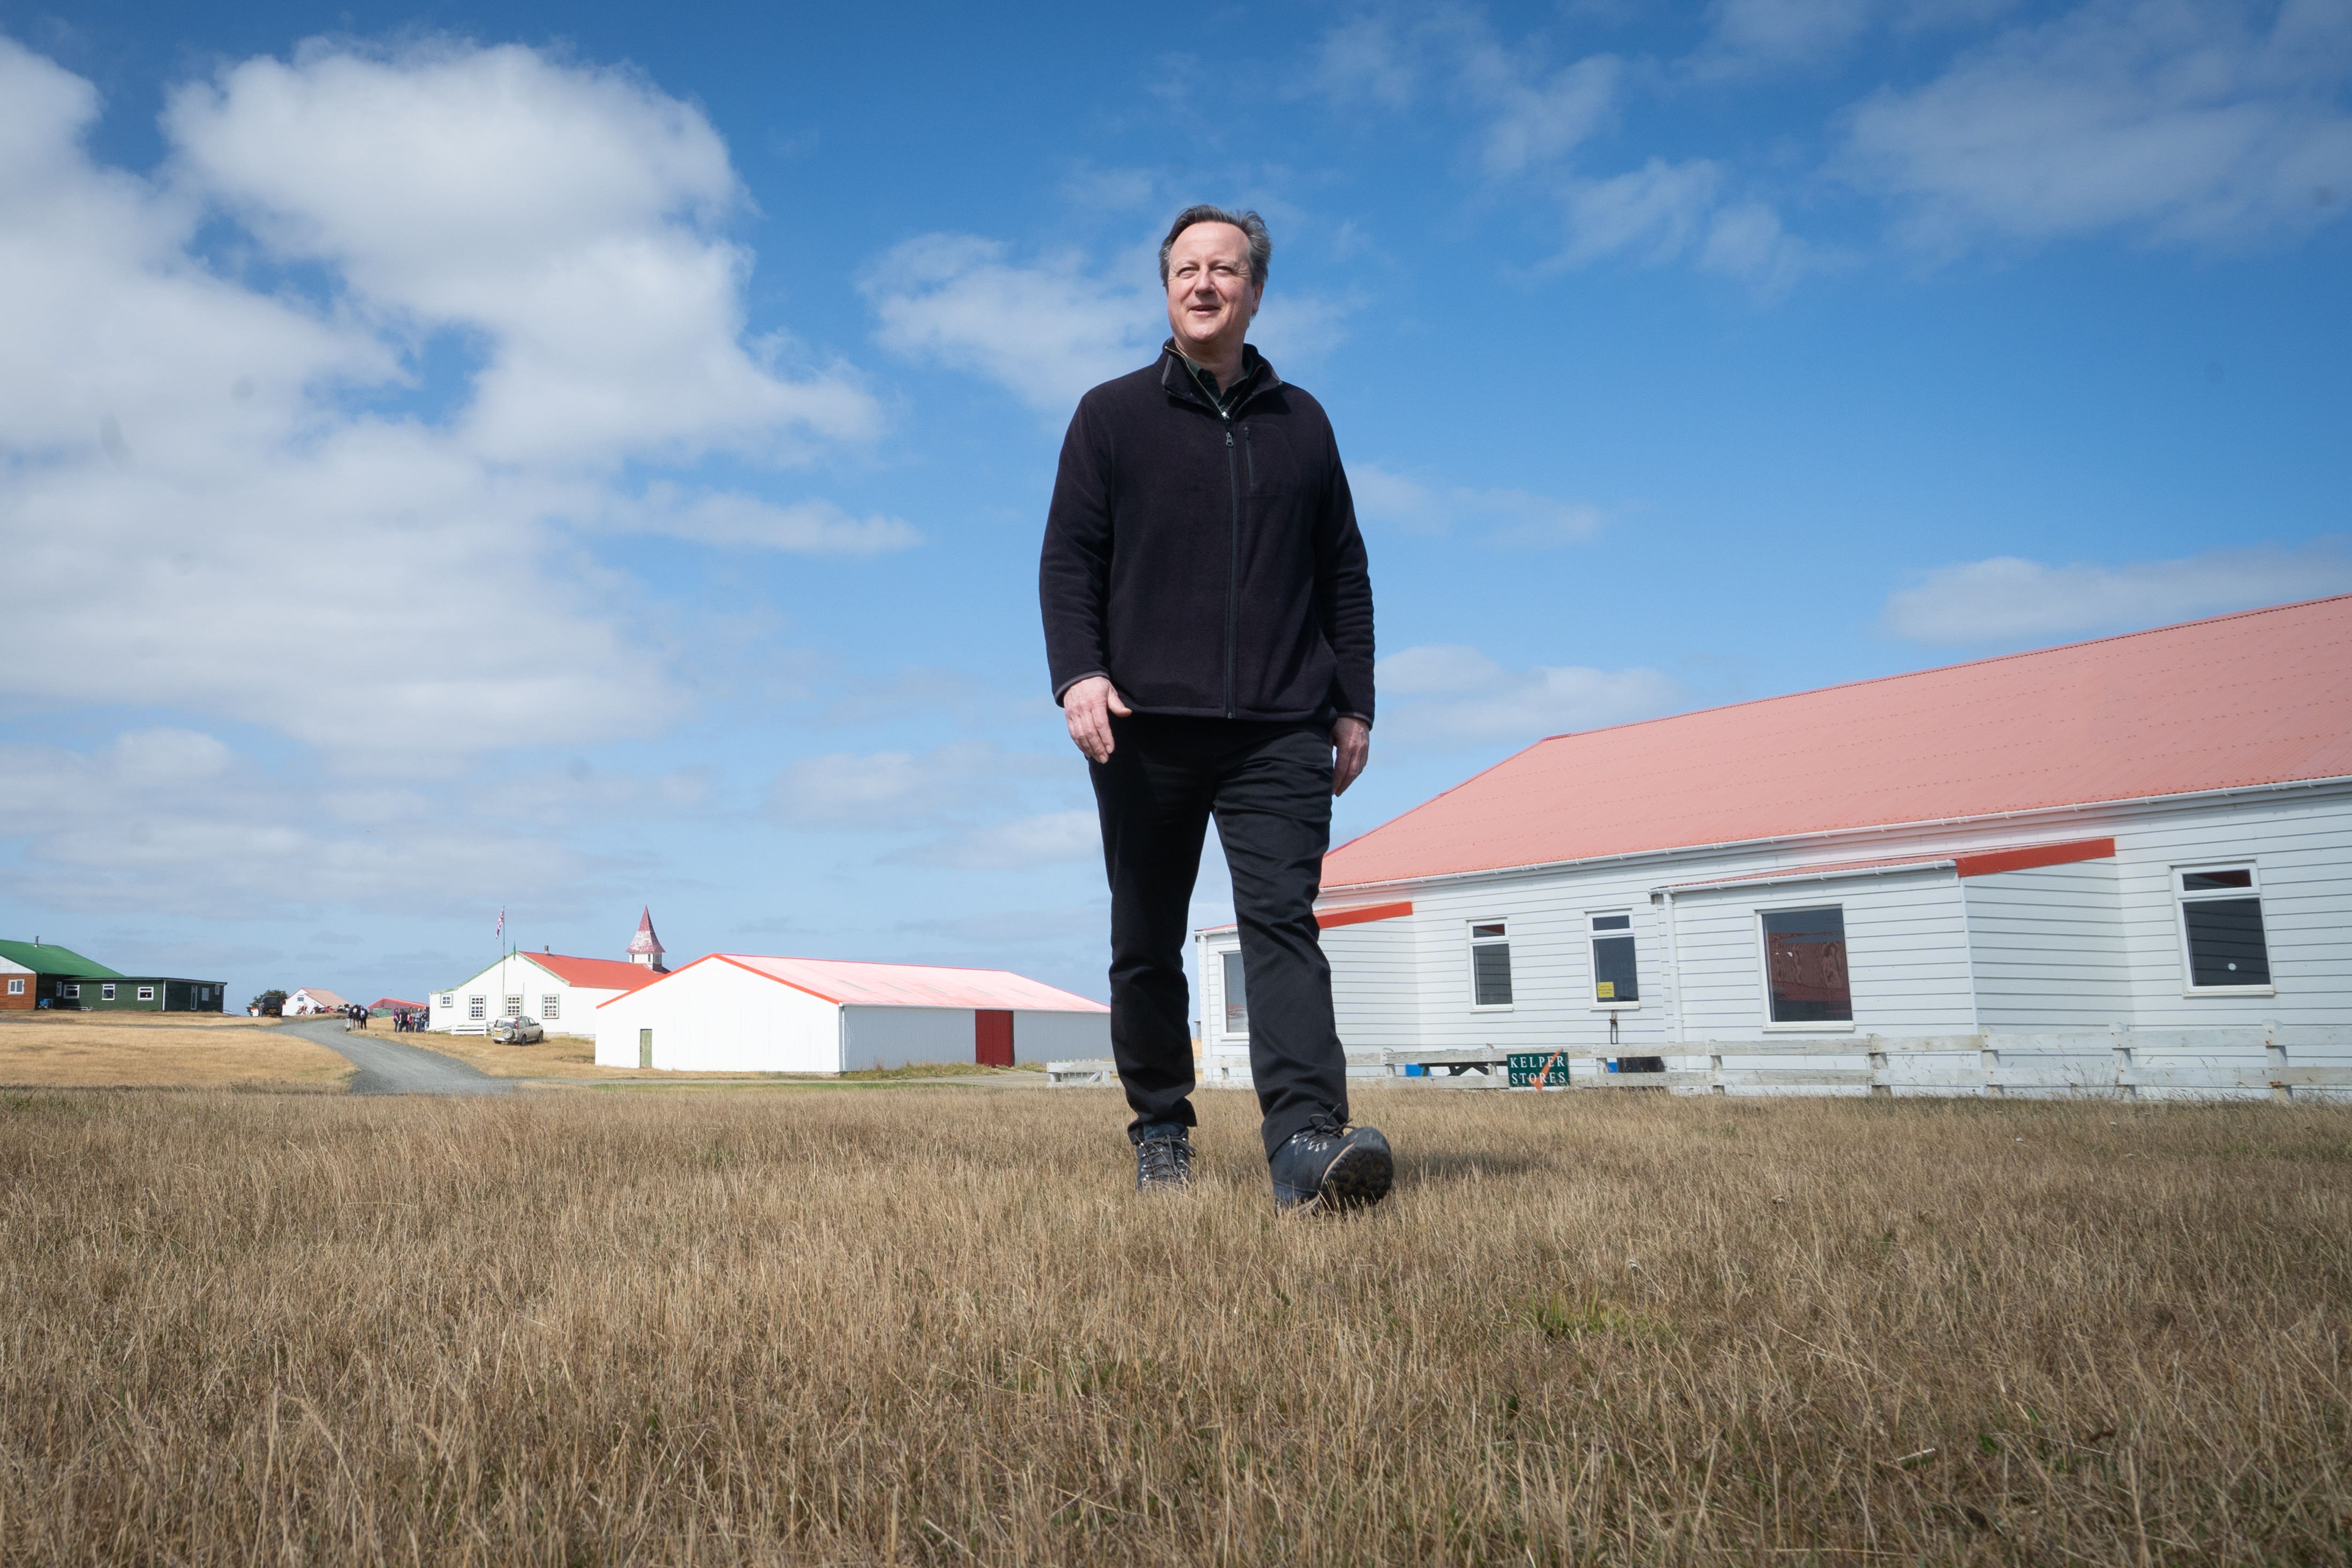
{"points": [[1086, 707], [1352, 739]]}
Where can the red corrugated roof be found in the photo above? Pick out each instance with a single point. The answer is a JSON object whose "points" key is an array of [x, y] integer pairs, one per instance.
{"points": [[596, 974], [907, 984], [2265, 697]]}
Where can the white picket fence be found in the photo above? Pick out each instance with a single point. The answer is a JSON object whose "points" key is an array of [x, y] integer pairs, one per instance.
{"points": [[2267, 1062]]}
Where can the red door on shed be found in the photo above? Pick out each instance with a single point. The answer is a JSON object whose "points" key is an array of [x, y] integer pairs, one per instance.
{"points": [[991, 1038]]}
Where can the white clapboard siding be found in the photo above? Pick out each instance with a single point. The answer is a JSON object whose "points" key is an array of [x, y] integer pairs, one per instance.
{"points": [[1907, 952], [2302, 846], [2048, 947], [1375, 980]]}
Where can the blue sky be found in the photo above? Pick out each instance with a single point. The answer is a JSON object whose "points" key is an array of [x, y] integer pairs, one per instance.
{"points": [[562, 460]]}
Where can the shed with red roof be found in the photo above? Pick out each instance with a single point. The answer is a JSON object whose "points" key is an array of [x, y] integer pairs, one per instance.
{"points": [[738, 1012], [2141, 833]]}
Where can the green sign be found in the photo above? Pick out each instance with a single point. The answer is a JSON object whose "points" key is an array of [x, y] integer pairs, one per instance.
{"points": [[1539, 1069]]}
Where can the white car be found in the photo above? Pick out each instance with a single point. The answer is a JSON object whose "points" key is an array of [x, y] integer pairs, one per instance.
{"points": [[517, 1032]]}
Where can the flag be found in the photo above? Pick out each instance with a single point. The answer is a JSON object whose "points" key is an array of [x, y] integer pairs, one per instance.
{"points": [[502, 924]]}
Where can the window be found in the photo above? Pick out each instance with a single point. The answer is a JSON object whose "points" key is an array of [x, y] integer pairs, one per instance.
{"points": [[452, 1002], [1237, 994], [550, 1006], [70, 993], [16, 988], [1804, 962], [146, 994], [474, 1008], [2221, 929], [514, 1006], [106, 993], [1615, 981], [1490, 966]]}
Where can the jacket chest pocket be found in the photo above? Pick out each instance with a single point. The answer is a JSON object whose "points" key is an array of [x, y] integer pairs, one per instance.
{"points": [[1269, 466]]}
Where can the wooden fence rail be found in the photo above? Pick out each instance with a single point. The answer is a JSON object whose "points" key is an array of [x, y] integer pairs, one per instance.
{"points": [[2121, 1062]]}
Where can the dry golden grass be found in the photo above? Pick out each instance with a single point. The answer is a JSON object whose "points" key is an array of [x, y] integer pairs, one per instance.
{"points": [[84, 1050], [917, 1325]]}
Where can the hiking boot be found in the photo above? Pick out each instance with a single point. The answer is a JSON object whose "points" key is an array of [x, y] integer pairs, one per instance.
{"points": [[1165, 1161], [1332, 1166]]}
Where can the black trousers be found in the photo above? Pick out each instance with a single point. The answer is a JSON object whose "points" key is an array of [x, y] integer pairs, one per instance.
{"points": [[1269, 786]]}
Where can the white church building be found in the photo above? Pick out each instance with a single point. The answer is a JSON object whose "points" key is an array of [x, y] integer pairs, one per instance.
{"points": [[2124, 864], [559, 991]]}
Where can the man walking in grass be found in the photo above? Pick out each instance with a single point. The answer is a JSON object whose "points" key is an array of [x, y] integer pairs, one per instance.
{"points": [[1208, 630]]}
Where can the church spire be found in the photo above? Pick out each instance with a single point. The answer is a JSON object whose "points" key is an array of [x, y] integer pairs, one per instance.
{"points": [[646, 948]]}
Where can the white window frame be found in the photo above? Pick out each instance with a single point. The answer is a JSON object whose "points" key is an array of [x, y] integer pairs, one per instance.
{"points": [[478, 1009], [1471, 943], [71, 990], [551, 1007], [146, 994], [2181, 902], [1593, 959], [449, 999], [106, 990], [514, 1005], [1764, 968], [16, 986], [1224, 997]]}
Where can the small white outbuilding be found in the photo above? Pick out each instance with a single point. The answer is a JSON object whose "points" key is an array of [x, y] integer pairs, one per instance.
{"points": [[734, 1012]]}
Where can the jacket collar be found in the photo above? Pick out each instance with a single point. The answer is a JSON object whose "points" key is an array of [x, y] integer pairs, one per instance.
{"points": [[1176, 377]]}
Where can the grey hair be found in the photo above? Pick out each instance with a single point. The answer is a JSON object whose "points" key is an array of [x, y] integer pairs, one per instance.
{"points": [[1252, 228]]}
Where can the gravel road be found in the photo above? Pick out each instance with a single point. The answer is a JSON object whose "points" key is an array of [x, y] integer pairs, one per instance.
{"points": [[389, 1066]]}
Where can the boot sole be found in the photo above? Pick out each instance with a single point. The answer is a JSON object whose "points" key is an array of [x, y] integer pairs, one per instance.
{"points": [[1358, 1179]]}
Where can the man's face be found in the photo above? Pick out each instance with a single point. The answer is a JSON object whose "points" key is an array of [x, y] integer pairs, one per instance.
{"points": [[1210, 295]]}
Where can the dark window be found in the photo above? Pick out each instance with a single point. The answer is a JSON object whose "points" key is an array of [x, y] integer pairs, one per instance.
{"points": [[1237, 995], [1614, 978], [2211, 881], [2225, 942], [71, 993], [1804, 955], [1490, 966]]}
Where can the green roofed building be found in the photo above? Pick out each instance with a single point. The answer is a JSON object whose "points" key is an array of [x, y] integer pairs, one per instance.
{"points": [[43, 975]]}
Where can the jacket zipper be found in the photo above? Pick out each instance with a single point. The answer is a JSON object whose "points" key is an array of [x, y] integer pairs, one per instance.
{"points": [[1233, 559]]}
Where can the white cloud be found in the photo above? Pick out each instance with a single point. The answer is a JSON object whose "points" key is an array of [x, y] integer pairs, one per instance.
{"points": [[2007, 599], [1665, 212], [274, 550], [1538, 119], [1531, 115], [166, 822], [1023, 843], [1653, 212], [733, 520], [1504, 517], [1444, 696], [1050, 331], [2175, 123], [888, 789], [1363, 59], [1046, 332], [561, 211]]}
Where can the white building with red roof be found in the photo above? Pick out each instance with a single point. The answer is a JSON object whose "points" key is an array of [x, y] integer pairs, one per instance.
{"points": [[739, 1012], [559, 991], [2138, 845]]}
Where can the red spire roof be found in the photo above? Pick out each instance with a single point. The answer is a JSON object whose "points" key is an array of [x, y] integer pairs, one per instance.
{"points": [[2260, 698], [645, 940]]}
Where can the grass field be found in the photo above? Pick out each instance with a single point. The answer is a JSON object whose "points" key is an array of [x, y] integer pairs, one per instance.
{"points": [[933, 1325], [147, 1050]]}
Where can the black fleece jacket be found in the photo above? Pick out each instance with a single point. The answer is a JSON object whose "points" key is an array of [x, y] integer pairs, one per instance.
{"points": [[1207, 560]]}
